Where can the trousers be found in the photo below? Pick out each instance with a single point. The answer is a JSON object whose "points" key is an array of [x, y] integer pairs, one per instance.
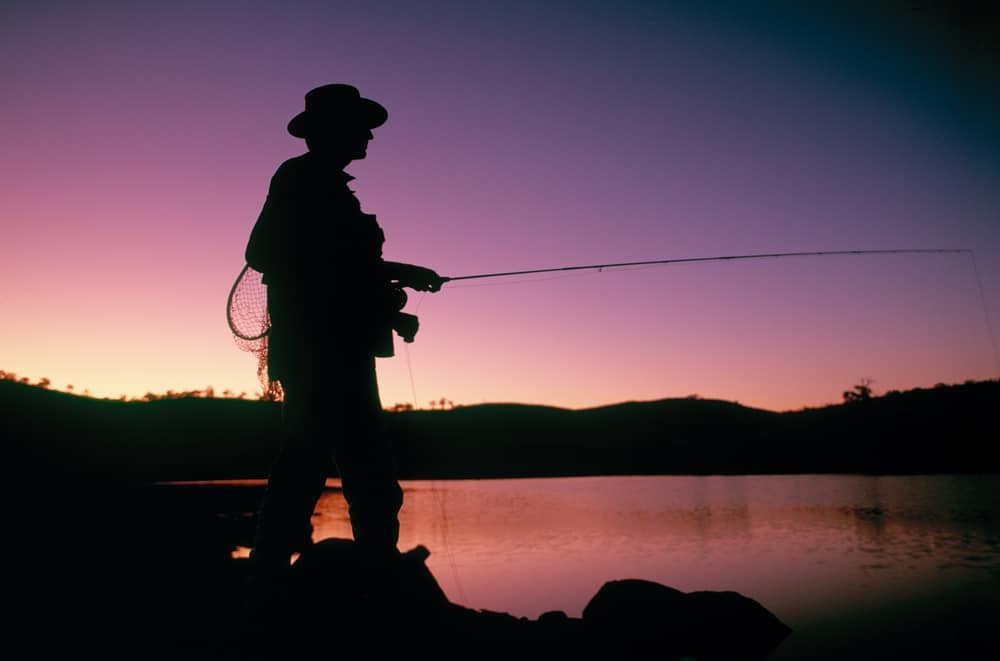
{"points": [[330, 423]]}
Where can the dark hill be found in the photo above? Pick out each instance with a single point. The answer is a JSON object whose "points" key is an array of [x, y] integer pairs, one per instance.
{"points": [[188, 438], [510, 440], [946, 429]]}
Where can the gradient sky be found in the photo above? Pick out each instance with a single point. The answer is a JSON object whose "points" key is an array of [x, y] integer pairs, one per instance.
{"points": [[138, 139]]}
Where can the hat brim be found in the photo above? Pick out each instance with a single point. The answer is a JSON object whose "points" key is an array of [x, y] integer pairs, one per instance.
{"points": [[363, 112]]}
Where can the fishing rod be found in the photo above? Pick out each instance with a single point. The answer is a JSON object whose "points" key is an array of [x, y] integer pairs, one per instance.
{"points": [[767, 255], [246, 310], [719, 258]]}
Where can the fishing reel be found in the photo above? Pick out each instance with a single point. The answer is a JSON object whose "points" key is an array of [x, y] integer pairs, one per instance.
{"points": [[403, 324], [395, 298]]}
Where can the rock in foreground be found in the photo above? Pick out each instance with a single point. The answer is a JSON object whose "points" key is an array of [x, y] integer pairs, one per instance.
{"points": [[332, 608]]}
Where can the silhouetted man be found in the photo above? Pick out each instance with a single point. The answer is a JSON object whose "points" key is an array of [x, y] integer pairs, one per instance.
{"points": [[333, 303]]}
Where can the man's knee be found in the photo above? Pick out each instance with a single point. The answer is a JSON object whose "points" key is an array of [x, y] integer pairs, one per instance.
{"points": [[378, 496]]}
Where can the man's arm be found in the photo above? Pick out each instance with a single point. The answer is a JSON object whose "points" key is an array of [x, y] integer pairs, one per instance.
{"points": [[410, 275], [260, 249], [268, 247]]}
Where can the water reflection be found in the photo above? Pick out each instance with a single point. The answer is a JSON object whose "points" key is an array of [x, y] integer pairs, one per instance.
{"points": [[799, 544]]}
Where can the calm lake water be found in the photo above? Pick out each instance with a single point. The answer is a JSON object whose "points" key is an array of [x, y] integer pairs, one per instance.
{"points": [[810, 548]]}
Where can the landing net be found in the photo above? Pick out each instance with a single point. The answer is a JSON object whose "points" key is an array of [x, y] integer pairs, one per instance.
{"points": [[246, 313]]}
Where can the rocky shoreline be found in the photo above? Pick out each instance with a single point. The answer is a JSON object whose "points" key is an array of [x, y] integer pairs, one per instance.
{"points": [[150, 573]]}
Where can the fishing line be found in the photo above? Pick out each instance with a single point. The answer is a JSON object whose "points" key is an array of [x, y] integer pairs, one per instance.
{"points": [[986, 313], [409, 368], [435, 491], [439, 499], [406, 351], [420, 302]]}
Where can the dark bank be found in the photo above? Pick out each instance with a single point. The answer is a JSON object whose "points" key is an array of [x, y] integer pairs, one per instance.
{"points": [[134, 567], [945, 429]]}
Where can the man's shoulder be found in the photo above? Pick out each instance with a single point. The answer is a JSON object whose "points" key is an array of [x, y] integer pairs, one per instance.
{"points": [[293, 175], [295, 166]]}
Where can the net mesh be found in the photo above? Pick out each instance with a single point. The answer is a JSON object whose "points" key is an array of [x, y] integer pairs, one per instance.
{"points": [[246, 312]]}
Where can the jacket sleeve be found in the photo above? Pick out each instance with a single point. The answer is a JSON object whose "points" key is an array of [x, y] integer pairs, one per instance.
{"points": [[266, 246]]}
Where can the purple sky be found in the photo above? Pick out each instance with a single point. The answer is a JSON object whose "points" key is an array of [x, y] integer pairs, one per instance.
{"points": [[139, 137]]}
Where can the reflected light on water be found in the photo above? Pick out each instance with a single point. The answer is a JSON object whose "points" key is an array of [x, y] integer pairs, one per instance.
{"points": [[797, 544]]}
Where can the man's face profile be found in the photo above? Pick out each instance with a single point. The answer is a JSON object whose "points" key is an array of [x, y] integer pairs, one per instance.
{"points": [[343, 142]]}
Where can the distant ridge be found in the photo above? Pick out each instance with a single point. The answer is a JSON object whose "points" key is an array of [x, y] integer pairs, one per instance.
{"points": [[945, 429]]}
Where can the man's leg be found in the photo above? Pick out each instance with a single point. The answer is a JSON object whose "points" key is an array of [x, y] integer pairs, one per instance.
{"points": [[368, 476], [373, 494], [295, 483], [284, 518]]}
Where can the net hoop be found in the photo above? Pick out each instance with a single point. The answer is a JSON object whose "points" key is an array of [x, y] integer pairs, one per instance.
{"points": [[246, 306]]}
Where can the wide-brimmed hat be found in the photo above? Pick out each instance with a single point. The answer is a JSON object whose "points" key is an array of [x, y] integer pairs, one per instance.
{"points": [[336, 104]]}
